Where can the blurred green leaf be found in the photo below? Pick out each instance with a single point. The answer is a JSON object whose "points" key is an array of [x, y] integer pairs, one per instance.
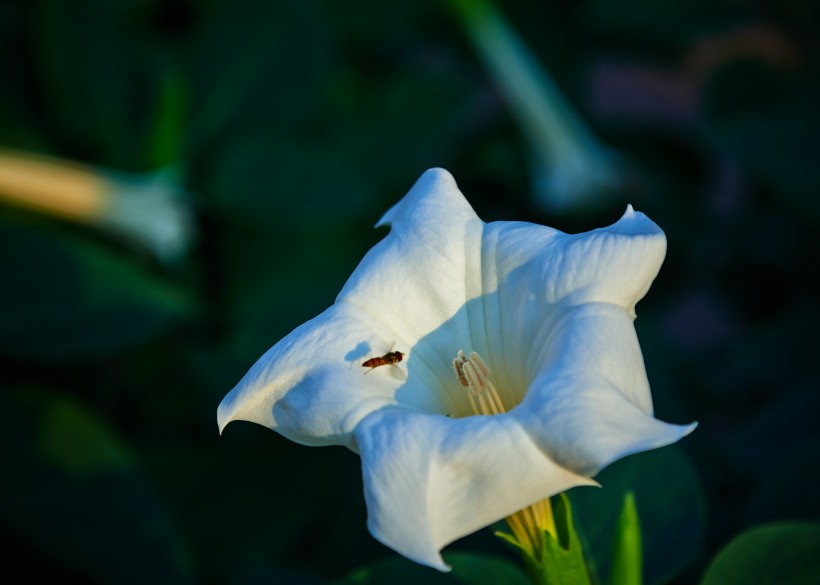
{"points": [[165, 142], [467, 569], [348, 164], [19, 125], [75, 441], [470, 568], [775, 554], [77, 494], [258, 64], [396, 570], [408, 121], [100, 78], [672, 506], [279, 276], [627, 546], [65, 298], [283, 178], [272, 497], [361, 23]]}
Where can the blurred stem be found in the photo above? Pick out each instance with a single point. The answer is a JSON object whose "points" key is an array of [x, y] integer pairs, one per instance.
{"points": [[546, 117], [165, 142], [571, 167]]}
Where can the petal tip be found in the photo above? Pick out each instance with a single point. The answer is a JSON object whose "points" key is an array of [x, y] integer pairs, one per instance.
{"points": [[437, 175], [226, 412], [687, 429], [434, 180], [636, 223], [440, 565], [589, 483], [424, 553], [222, 417], [671, 433]]}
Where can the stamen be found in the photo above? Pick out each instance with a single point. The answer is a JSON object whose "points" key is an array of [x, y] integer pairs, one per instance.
{"points": [[457, 367], [473, 373], [530, 524]]}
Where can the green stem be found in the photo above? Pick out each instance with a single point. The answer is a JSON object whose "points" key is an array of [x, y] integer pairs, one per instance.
{"points": [[558, 558]]}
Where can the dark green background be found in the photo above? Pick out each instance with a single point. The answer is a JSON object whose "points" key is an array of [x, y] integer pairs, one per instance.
{"points": [[294, 126]]}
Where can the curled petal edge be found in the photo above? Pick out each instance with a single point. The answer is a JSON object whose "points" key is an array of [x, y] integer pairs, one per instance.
{"points": [[430, 480]]}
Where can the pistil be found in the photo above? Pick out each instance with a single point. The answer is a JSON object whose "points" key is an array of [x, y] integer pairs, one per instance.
{"points": [[530, 524]]}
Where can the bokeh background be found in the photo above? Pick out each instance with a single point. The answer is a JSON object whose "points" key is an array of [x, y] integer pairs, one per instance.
{"points": [[286, 128]]}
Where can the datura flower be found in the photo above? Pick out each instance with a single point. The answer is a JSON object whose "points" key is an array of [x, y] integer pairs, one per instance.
{"points": [[476, 368]]}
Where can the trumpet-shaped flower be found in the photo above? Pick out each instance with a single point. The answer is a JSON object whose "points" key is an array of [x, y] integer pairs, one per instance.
{"points": [[520, 373], [148, 209]]}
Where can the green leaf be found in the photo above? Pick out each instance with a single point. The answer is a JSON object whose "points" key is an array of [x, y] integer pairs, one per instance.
{"points": [[467, 569], [773, 554], [273, 175], [627, 548], [261, 65], [20, 126], [165, 146], [559, 559], [670, 497], [397, 570], [212, 485], [76, 494], [65, 298], [75, 441], [562, 561], [99, 79], [472, 569]]}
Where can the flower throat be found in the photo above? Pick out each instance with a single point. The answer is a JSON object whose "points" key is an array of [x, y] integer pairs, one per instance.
{"points": [[530, 524]]}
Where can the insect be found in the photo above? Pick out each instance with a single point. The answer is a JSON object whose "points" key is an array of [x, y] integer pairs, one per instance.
{"points": [[389, 359]]}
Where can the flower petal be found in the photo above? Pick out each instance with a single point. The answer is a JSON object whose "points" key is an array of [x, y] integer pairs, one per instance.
{"points": [[422, 273], [430, 480], [310, 386], [589, 403], [615, 264], [532, 275]]}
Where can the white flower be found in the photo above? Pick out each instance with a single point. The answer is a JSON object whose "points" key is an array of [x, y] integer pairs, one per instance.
{"points": [[147, 208], [572, 168], [150, 208], [550, 314]]}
